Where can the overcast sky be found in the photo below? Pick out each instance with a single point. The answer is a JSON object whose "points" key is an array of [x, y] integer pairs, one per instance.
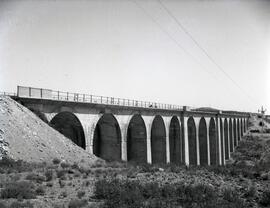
{"points": [[136, 50]]}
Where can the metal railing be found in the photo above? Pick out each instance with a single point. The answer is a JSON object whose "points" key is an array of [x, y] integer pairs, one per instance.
{"points": [[8, 93], [95, 99], [39, 93]]}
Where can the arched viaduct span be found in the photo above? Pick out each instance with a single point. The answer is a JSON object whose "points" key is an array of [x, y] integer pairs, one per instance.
{"points": [[141, 133]]}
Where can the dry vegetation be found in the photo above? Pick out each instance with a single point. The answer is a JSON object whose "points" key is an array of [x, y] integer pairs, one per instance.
{"points": [[243, 183], [58, 183]]}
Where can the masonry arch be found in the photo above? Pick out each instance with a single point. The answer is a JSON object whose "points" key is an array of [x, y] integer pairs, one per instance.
{"points": [[213, 142], [192, 145], [136, 140], [226, 139], [234, 132], [175, 140], [107, 138], [158, 140], [70, 126], [203, 142], [231, 134]]}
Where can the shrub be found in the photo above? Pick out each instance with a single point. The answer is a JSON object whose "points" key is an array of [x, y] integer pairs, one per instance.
{"points": [[40, 190], [19, 190], [80, 194], [64, 165], [8, 165], [35, 177], [21, 205], [56, 161], [77, 203], [265, 199], [49, 175], [61, 174], [2, 205]]}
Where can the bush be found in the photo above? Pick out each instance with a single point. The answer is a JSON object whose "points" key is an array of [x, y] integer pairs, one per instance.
{"points": [[265, 199], [77, 203], [40, 190], [80, 194], [49, 175], [56, 161], [21, 205], [35, 177], [126, 193], [8, 165], [19, 190], [64, 165]]}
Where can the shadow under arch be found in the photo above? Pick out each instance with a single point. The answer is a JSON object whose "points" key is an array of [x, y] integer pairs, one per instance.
{"points": [[231, 135], [70, 126], [213, 145], [234, 132], [192, 145], [158, 140], [107, 138], [226, 139], [136, 140], [175, 141], [203, 142]]}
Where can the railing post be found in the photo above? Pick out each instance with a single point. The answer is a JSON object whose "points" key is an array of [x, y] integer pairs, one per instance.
{"points": [[67, 95], [90, 98], [57, 95], [83, 97], [29, 91]]}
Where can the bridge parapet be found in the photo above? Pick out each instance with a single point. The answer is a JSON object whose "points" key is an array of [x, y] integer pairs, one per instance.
{"points": [[30, 92]]}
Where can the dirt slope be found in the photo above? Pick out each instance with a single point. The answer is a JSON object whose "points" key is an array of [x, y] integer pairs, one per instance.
{"points": [[24, 136]]}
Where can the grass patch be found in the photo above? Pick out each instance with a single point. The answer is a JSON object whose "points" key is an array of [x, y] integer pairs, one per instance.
{"points": [[19, 190]]}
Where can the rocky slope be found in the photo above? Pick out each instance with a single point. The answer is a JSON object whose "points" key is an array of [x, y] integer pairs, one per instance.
{"points": [[24, 136]]}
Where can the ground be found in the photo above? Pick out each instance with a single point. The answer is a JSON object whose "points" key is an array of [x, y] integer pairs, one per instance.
{"points": [[58, 180]]}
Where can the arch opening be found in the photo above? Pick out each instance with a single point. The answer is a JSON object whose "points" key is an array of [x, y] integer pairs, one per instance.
{"points": [[69, 125], [107, 138], [221, 140], [213, 142], [136, 140], [231, 135], [158, 140], [226, 139], [238, 130], [203, 142], [192, 146], [175, 141], [234, 133], [242, 128]]}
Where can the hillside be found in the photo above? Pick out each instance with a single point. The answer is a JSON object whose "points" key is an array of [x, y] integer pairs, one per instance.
{"points": [[24, 136]]}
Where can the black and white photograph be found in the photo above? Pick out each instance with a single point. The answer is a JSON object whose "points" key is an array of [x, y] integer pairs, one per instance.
{"points": [[134, 103]]}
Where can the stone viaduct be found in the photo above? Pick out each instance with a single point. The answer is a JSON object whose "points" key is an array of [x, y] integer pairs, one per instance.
{"points": [[130, 130]]}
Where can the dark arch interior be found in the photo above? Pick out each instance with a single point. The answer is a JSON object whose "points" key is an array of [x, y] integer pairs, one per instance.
{"points": [[231, 135], [234, 133], [213, 142], [238, 130], [136, 140], [203, 142], [242, 128], [221, 141], [107, 139], [226, 139], [158, 140], [175, 141], [192, 147], [70, 126]]}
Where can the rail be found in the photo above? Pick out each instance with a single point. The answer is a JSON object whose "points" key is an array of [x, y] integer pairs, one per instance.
{"points": [[88, 98]]}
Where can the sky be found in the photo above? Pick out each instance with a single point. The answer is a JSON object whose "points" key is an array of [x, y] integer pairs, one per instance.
{"points": [[135, 49]]}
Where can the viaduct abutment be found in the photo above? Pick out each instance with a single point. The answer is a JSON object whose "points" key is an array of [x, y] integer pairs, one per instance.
{"points": [[152, 135]]}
